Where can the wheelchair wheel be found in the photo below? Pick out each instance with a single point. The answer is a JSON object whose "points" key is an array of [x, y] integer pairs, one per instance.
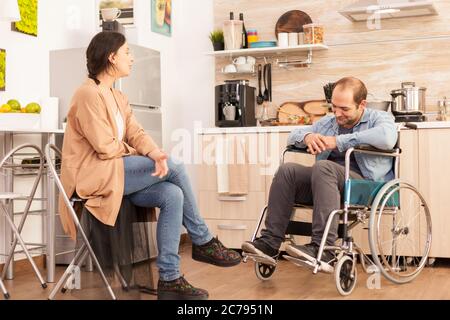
{"points": [[400, 237], [264, 271], [345, 275]]}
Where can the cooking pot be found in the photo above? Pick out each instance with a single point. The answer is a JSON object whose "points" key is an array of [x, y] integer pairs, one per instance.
{"points": [[409, 99], [377, 104]]}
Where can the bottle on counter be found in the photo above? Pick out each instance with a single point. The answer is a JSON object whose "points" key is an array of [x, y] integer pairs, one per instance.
{"points": [[442, 105], [231, 15], [244, 32]]}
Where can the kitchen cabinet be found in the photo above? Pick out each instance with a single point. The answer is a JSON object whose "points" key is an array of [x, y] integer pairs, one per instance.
{"points": [[232, 217], [433, 175]]}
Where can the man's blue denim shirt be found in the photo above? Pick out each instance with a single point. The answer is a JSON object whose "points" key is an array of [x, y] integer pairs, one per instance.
{"points": [[376, 128]]}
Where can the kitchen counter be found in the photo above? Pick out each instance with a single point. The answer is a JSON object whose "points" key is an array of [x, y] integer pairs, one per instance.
{"points": [[22, 130], [248, 129], [243, 130]]}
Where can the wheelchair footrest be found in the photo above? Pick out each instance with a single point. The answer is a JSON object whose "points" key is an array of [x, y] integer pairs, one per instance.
{"points": [[260, 259], [324, 267]]}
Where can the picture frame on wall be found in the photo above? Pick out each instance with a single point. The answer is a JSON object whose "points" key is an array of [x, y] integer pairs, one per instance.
{"points": [[125, 10], [2, 69], [161, 17], [28, 23]]}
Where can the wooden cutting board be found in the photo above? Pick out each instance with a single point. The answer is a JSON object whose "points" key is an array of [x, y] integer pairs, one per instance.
{"points": [[306, 112], [292, 21]]}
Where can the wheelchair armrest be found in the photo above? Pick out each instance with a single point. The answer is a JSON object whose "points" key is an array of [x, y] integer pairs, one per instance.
{"points": [[368, 148], [292, 148]]}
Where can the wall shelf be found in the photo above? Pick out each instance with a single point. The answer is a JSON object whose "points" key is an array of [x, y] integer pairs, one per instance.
{"points": [[270, 50]]}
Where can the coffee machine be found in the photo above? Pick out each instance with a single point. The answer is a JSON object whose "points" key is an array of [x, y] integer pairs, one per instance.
{"points": [[235, 104]]}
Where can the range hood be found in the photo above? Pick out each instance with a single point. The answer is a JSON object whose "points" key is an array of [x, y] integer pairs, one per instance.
{"points": [[388, 9]]}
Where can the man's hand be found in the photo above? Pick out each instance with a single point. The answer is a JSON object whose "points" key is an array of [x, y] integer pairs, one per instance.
{"points": [[318, 143], [161, 167]]}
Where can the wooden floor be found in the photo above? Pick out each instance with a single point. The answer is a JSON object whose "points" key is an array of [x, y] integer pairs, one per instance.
{"points": [[240, 283]]}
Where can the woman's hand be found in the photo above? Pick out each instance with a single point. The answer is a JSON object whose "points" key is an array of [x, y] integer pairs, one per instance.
{"points": [[161, 167]]}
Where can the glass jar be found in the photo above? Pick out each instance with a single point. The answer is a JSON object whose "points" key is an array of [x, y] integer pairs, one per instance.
{"points": [[314, 33]]}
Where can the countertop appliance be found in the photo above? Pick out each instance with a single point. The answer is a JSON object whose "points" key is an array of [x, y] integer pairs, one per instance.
{"points": [[235, 104]]}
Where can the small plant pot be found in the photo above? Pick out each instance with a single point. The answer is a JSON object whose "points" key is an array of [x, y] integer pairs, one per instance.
{"points": [[218, 46]]}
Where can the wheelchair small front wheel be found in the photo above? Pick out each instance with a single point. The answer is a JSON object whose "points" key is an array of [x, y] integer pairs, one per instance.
{"points": [[345, 275], [264, 271]]}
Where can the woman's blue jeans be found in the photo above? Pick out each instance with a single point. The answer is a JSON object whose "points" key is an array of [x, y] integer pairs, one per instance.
{"points": [[174, 196]]}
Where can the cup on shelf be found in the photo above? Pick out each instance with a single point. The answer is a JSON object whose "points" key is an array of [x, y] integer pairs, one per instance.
{"points": [[293, 39], [246, 67], [251, 60], [240, 60], [283, 39], [230, 68]]}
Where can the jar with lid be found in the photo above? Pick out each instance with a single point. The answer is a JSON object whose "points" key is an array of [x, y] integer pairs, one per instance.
{"points": [[314, 33]]}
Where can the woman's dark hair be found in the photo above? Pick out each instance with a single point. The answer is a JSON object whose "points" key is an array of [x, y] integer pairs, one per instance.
{"points": [[99, 50]]}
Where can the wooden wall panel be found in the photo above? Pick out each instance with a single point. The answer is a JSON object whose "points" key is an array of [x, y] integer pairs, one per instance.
{"points": [[407, 49]]}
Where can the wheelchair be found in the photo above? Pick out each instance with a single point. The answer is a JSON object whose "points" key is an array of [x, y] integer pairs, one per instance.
{"points": [[399, 229]]}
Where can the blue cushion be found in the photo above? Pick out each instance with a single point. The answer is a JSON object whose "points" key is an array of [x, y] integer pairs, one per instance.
{"points": [[363, 192]]}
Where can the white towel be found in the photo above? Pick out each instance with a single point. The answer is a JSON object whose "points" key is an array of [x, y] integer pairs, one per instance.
{"points": [[221, 167]]}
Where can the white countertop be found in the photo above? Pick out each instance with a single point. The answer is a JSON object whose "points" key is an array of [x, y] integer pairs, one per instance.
{"points": [[429, 125], [22, 130], [243, 130], [248, 129]]}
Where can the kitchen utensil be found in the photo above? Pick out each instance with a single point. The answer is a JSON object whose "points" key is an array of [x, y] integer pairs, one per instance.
{"points": [[316, 107], [409, 99], [289, 111], [260, 97], [292, 21], [269, 80], [263, 44], [328, 90], [377, 104], [266, 88]]}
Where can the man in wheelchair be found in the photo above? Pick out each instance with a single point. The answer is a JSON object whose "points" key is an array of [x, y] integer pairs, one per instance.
{"points": [[322, 185]]}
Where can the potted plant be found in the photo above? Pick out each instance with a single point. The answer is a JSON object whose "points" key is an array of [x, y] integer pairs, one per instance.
{"points": [[216, 38]]}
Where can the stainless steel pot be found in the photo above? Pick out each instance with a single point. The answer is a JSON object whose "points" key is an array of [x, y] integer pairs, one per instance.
{"points": [[379, 105], [409, 99]]}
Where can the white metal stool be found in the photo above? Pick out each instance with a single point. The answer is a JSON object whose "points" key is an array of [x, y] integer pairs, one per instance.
{"points": [[6, 200]]}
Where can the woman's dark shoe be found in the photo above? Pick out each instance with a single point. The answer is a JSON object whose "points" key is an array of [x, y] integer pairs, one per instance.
{"points": [[214, 252], [180, 289]]}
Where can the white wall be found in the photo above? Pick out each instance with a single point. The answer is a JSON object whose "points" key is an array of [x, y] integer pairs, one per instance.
{"points": [[187, 75]]}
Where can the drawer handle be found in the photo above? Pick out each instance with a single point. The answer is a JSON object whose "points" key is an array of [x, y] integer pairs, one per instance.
{"points": [[232, 227], [231, 198]]}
